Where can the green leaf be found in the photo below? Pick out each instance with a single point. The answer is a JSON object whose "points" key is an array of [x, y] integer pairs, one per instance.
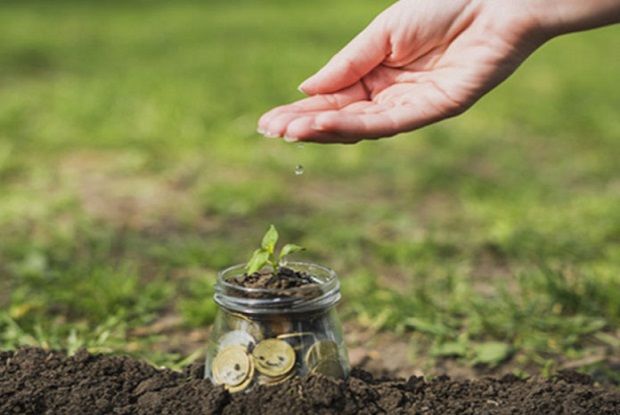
{"points": [[426, 326], [270, 239], [259, 259], [491, 353], [450, 349], [290, 249]]}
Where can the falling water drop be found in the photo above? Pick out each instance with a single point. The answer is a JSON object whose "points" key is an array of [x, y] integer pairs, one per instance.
{"points": [[299, 169]]}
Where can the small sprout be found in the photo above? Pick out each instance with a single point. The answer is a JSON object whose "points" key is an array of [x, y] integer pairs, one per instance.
{"points": [[266, 254]]}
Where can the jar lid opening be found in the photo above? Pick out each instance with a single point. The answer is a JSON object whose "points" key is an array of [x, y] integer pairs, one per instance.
{"points": [[252, 300]]}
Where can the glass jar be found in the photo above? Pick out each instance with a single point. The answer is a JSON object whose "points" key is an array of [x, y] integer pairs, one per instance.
{"points": [[266, 336]]}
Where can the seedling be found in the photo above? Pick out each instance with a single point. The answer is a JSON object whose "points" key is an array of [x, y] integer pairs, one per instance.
{"points": [[266, 254]]}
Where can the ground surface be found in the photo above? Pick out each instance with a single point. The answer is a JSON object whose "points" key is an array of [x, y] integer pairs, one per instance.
{"points": [[130, 172], [34, 381]]}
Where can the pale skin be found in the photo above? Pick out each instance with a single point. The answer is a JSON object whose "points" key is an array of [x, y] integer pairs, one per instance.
{"points": [[422, 61]]}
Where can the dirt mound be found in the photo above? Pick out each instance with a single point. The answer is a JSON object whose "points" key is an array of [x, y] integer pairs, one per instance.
{"points": [[34, 381]]}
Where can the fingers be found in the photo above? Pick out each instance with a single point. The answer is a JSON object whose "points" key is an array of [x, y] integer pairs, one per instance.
{"points": [[352, 117], [362, 120], [360, 56], [376, 121], [340, 126], [279, 123], [359, 121], [274, 122], [303, 129]]}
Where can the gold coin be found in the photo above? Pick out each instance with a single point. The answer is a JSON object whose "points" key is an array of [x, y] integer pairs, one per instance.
{"points": [[329, 367], [236, 338], [269, 381], [242, 323], [298, 340], [279, 326], [273, 357], [245, 383], [299, 334], [319, 351], [239, 316], [231, 366]]}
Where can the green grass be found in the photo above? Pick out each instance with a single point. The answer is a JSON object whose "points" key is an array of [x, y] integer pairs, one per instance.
{"points": [[130, 172]]}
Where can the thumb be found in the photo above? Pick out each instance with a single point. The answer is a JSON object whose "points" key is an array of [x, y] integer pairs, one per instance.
{"points": [[367, 50]]}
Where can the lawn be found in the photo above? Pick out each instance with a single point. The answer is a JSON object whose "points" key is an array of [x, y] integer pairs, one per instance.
{"points": [[131, 172]]}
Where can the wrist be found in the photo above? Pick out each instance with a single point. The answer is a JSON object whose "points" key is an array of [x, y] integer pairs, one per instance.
{"points": [[522, 19], [541, 16], [558, 17]]}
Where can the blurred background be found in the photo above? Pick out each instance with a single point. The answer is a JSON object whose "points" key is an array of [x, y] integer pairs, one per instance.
{"points": [[130, 173]]}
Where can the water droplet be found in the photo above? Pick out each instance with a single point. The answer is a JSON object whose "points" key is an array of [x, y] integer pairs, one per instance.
{"points": [[299, 170]]}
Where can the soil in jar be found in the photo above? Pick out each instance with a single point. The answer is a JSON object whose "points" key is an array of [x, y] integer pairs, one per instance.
{"points": [[285, 282]]}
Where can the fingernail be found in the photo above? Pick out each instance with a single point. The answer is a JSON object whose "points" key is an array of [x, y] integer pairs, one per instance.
{"points": [[317, 127], [303, 86], [290, 139], [269, 134], [260, 131]]}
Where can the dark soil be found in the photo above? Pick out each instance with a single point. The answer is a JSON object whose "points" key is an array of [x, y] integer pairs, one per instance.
{"points": [[284, 279], [34, 381], [285, 283]]}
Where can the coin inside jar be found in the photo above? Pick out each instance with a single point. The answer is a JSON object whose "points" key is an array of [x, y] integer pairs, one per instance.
{"points": [[245, 383], [329, 367], [319, 351], [232, 366], [240, 322], [299, 341], [295, 335], [273, 357], [236, 338], [271, 381], [278, 326]]}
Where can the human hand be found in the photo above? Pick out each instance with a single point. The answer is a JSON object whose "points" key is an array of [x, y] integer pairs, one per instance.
{"points": [[418, 62]]}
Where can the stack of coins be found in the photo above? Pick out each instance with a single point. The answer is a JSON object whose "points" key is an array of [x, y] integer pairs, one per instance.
{"points": [[233, 368], [274, 361], [269, 352]]}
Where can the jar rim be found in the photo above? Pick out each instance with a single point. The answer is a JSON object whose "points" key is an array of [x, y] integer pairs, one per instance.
{"points": [[328, 283]]}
